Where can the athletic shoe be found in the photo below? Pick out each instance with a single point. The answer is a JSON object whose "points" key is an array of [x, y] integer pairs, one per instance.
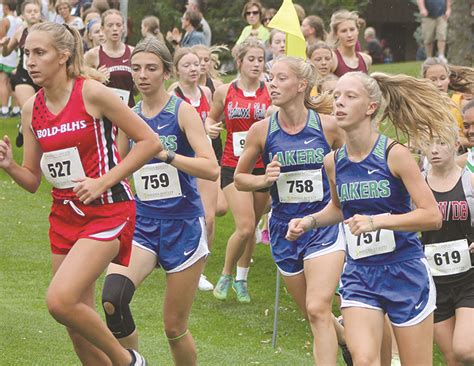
{"points": [[137, 359], [204, 284], [265, 237], [346, 354], [4, 115], [222, 287], [240, 288], [15, 114]]}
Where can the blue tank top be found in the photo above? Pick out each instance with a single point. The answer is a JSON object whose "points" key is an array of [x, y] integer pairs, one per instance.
{"points": [[188, 205], [302, 154], [369, 188]]}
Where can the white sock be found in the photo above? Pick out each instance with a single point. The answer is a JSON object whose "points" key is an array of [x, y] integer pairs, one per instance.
{"points": [[16, 109], [242, 273], [4, 110]]}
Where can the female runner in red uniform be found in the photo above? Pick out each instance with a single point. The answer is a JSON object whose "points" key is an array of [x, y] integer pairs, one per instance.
{"points": [[243, 103], [113, 57], [69, 137]]}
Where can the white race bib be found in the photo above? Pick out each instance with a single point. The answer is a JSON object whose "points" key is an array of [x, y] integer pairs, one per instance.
{"points": [[157, 181], [448, 258], [60, 167], [123, 94], [238, 142], [370, 243], [300, 186]]}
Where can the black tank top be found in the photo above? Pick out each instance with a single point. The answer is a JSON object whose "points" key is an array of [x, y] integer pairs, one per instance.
{"points": [[21, 46], [456, 225]]}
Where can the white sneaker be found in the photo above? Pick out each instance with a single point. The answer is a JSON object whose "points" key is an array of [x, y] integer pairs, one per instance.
{"points": [[204, 284], [396, 361], [137, 359]]}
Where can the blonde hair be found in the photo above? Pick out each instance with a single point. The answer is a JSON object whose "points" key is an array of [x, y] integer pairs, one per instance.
{"points": [[305, 70], [153, 45], [337, 18], [415, 106], [327, 78], [214, 72], [108, 12], [67, 39], [241, 50], [461, 78]]}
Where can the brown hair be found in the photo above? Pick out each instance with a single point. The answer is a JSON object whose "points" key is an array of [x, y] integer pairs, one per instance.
{"points": [[67, 39], [337, 18], [155, 46], [251, 3], [179, 54], [317, 24], [317, 46], [152, 24], [241, 50], [106, 13]]}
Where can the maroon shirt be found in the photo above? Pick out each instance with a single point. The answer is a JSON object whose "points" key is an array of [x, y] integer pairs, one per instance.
{"points": [[120, 69], [342, 68]]}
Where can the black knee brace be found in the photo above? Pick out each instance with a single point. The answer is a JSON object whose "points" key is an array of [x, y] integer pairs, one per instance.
{"points": [[118, 291]]}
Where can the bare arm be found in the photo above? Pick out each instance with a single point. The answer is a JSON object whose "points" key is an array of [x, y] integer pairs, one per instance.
{"points": [[244, 180], [213, 127], [8, 45], [91, 58], [422, 8], [101, 102], [28, 175], [204, 164], [426, 215], [329, 215]]}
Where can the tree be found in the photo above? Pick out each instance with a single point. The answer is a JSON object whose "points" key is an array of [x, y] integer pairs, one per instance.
{"points": [[460, 30]]}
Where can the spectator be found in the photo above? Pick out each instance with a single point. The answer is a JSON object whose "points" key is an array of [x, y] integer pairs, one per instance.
{"points": [[252, 13], [151, 27], [313, 30], [434, 24], [197, 6], [191, 23], [300, 12], [268, 15], [373, 46], [63, 8]]}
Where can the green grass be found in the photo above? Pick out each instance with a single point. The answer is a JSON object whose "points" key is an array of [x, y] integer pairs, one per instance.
{"points": [[226, 333]]}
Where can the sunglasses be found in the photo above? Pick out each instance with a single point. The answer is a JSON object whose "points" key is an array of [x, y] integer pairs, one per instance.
{"points": [[247, 13]]}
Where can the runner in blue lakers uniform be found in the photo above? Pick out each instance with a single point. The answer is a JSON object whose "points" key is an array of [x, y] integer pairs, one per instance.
{"points": [[170, 230], [293, 143], [372, 181]]}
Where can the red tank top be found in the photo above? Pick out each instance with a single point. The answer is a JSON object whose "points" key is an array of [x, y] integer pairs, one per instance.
{"points": [[74, 129], [202, 108], [241, 112], [342, 68], [120, 69]]}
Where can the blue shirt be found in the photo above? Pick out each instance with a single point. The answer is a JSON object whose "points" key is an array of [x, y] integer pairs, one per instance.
{"points": [[188, 205]]}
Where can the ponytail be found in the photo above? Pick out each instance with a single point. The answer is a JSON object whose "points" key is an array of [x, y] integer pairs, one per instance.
{"points": [[415, 107], [67, 39]]}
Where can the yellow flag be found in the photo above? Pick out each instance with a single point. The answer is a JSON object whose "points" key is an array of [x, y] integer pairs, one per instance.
{"points": [[286, 20]]}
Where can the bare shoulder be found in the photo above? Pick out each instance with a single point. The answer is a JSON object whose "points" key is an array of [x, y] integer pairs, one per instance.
{"points": [[91, 57]]}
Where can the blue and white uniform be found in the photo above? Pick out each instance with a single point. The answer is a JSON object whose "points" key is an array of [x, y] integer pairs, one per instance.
{"points": [[301, 189], [170, 214], [384, 269]]}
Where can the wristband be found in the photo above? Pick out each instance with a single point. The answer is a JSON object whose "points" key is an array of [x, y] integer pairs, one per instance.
{"points": [[371, 221], [313, 221], [170, 157]]}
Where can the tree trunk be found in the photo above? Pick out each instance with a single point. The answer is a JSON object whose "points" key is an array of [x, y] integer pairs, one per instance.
{"points": [[460, 35]]}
